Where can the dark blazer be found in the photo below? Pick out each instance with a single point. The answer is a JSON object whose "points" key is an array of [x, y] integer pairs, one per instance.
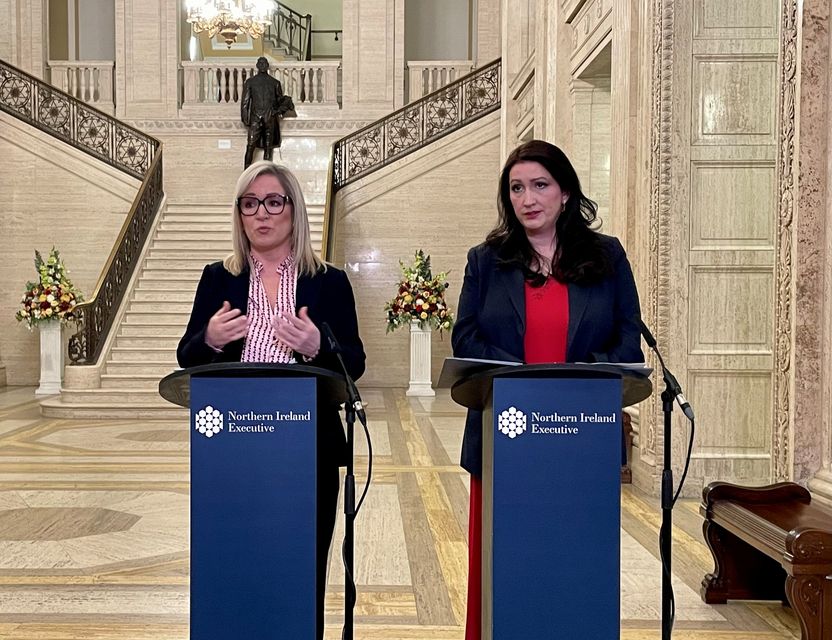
{"points": [[491, 322], [329, 298]]}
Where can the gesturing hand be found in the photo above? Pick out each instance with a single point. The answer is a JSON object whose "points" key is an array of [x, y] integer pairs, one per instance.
{"points": [[298, 333], [226, 325]]}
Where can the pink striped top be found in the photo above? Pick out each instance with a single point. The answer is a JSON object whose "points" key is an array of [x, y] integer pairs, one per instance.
{"points": [[261, 344]]}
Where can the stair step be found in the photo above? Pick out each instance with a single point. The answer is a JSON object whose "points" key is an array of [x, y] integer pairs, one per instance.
{"points": [[209, 217], [206, 227], [180, 264], [140, 330], [145, 353], [132, 369], [139, 307], [156, 319], [173, 276], [186, 238], [133, 381], [166, 343], [120, 405], [174, 294], [203, 254]]}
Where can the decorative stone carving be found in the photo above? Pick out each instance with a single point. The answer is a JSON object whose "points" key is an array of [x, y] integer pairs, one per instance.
{"points": [[784, 269], [658, 301]]}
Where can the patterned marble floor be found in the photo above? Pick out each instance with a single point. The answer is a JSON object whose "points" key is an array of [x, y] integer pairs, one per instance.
{"points": [[94, 534]]}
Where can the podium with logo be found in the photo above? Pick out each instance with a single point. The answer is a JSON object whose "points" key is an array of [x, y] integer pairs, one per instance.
{"points": [[551, 494], [253, 495]]}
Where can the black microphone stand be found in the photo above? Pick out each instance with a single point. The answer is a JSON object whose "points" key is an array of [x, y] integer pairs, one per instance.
{"points": [[352, 407], [672, 391]]}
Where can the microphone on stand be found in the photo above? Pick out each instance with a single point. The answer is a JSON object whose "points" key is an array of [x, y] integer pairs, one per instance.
{"points": [[352, 390], [670, 379]]}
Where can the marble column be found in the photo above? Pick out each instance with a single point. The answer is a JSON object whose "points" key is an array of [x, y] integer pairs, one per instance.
{"points": [[24, 38], [813, 317], [487, 32]]}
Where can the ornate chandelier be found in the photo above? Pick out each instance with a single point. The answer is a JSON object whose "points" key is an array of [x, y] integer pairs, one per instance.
{"points": [[230, 18]]}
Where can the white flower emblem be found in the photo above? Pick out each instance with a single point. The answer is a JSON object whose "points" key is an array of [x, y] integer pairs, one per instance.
{"points": [[208, 421], [512, 422]]}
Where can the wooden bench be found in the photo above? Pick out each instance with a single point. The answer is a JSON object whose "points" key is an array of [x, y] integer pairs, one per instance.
{"points": [[770, 543]]}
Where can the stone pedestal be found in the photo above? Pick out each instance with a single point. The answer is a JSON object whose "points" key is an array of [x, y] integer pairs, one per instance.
{"points": [[419, 362], [51, 358]]}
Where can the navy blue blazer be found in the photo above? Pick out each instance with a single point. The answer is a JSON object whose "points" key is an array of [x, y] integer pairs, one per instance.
{"points": [[329, 298], [491, 322]]}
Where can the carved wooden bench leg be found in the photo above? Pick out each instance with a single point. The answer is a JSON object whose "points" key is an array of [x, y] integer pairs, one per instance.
{"points": [[810, 597], [741, 572]]}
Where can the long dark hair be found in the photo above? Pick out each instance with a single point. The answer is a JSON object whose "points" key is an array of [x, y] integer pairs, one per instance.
{"points": [[579, 257]]}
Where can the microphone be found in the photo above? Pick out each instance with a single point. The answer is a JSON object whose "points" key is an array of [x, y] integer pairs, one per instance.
{"points": [[352, 390], [673, 384]]}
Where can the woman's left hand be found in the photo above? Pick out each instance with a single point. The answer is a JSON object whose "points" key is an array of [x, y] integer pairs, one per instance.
{"points": [[298, 333]]}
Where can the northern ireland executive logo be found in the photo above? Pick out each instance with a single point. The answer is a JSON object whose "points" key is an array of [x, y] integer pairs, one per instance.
{"points": [[512, 422], [208, 421]]}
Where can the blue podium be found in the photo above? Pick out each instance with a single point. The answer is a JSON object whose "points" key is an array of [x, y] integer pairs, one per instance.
{"points": [[253, 496], [551, 495]]}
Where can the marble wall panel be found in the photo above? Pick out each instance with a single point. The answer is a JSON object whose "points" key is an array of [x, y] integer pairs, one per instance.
{"points": [[738, 19], [732, 204], [731, 310], [733, 411], [735, 99], [55, 196]]}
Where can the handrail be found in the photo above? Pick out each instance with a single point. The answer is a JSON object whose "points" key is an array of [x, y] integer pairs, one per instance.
{"points": [[408, 129], [75, 122], [288, 24], [100, 135]]}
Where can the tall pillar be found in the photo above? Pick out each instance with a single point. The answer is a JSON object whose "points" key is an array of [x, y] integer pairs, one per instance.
{"points": [[813, 272], [147, 59], [486, 32], [372, 58], [24, 39]]}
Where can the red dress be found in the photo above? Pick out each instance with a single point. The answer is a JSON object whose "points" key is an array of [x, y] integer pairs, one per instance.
{"points": [[547, 323]]}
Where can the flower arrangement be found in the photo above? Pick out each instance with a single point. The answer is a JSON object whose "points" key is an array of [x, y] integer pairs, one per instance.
{"points": [[420, 297], [52, 297]]}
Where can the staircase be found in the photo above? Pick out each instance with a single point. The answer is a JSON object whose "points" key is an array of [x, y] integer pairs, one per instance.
{"points": [[143, 351], [188, 237]]}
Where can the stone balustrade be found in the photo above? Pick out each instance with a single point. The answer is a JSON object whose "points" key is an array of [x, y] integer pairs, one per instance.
{"points": [[426, 76], [90, 81]]}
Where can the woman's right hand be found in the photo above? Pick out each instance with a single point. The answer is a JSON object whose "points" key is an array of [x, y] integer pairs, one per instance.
{"points": [[226, 325]]}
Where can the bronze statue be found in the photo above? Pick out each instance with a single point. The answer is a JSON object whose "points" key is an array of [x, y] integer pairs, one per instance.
{"points": [[260, 110]]}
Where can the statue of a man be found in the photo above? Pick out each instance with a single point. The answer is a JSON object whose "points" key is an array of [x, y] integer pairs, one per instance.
{"points": [[262, 105]]}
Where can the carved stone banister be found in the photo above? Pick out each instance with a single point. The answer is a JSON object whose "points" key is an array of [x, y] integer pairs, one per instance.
{"points": [[127, 149]]}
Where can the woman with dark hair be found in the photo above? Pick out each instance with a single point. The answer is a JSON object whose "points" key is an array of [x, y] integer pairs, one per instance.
{"points": [[266, 302], [543, 287]]}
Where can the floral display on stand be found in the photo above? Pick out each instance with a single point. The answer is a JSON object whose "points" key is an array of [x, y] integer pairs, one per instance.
{"points": [[52, 297], [420, 298]]}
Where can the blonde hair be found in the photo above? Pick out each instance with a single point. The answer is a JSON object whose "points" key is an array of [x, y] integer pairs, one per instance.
{"points": [[306, 261]]}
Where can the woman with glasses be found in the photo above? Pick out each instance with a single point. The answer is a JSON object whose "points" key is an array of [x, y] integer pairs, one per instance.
{"points": [[266, 302]]}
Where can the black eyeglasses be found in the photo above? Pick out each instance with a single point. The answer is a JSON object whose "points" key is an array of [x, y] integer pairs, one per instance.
{"points": [[274, 204]]}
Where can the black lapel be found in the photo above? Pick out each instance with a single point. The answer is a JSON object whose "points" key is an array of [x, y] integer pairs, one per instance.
{"points": [[306, 292], [578, 301], [510, 283], [238, 291]]}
